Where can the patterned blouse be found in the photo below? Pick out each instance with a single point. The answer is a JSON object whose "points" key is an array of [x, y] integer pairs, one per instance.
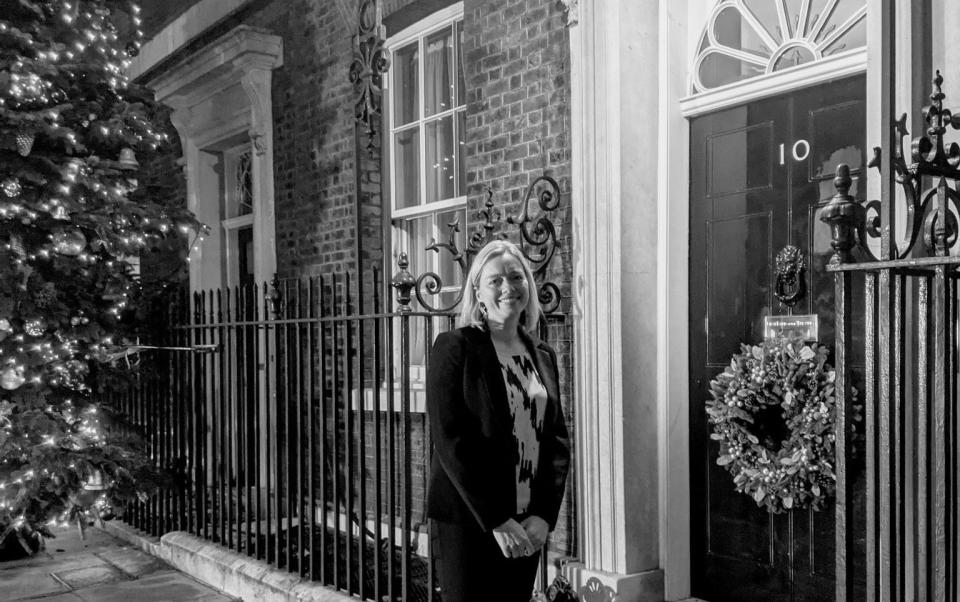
{"points": [[527, 399]]}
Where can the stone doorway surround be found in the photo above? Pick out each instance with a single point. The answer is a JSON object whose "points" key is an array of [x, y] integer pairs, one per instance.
{"points": [[221, 97]]}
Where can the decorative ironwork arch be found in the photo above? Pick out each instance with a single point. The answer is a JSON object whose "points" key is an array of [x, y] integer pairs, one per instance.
{"points": [[750, 38]]}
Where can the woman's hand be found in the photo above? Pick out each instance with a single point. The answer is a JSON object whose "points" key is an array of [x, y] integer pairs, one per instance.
{"points": [[513, 540], [537, 530]]}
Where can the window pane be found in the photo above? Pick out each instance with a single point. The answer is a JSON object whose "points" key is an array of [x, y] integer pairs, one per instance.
{"points": [[461, 161], [734, 32], [440, 160], [405, 96], [415, 235], [448, 269], [243, 185], [438, 73], [855, 37], [407, 157], [461, 82], [245, 256]]}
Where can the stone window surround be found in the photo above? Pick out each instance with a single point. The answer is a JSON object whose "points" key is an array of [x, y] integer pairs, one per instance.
{"points": [[239, 64]]}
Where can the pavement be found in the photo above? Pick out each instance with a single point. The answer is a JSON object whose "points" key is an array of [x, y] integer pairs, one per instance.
{"points": [[99, 568]]}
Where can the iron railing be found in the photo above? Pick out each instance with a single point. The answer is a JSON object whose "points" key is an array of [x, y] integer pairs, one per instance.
{"points": [[302, 440], [902, 540]]}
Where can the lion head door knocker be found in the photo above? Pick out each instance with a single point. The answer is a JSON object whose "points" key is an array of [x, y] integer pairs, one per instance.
{"points": [[791, 284]]}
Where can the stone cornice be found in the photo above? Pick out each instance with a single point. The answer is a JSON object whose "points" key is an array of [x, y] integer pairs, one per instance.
{"points": [[226, 62]]}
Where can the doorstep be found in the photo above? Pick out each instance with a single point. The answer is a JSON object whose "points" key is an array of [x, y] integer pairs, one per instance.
{"points": [[235, 574]]}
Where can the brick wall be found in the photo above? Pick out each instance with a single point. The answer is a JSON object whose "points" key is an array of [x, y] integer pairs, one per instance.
{"points": [[156, 15], [518, 128], [314, 143]]}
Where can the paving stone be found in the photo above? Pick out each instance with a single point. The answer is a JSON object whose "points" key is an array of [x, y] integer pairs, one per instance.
{"points": [[67, 597], [91, 575], [28, 582], [159, 587], [133, 562]]}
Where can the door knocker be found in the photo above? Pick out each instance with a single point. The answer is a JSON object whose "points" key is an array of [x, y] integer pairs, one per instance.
{"points": [[791, 284]]}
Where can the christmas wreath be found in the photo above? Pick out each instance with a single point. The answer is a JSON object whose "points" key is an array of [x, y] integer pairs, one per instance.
{"points": [[772, 411]]}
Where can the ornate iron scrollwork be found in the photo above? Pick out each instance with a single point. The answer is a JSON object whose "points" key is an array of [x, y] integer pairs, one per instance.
{"points": [[370, 62], [791, 284], [928, 212], [540, 234], [538, 241]]}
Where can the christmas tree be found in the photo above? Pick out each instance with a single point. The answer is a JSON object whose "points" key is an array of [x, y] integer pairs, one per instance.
{"points": [[72, 222]]}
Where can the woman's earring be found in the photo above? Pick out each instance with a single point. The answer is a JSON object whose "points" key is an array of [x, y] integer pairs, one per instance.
{"points": [[483, 309]]}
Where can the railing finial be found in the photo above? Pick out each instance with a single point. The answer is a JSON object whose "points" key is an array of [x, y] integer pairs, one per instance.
{"points": [[404, 283], [275, 297], [843, 214]]}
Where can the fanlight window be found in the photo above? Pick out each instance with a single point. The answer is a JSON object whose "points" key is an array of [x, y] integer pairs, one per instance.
{"points": [[747, 38]]}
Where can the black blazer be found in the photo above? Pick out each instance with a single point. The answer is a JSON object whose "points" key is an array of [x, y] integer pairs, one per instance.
{"points": [[473, 472]]}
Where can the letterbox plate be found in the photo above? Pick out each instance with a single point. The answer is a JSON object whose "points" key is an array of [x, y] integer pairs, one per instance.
{"points": [[806, 327]]}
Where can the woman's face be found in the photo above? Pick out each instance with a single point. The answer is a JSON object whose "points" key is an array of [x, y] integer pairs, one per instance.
{"points": [[503, 288]]}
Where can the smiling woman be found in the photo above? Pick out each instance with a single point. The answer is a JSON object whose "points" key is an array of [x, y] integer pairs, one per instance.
{"points": [[501, 447]]}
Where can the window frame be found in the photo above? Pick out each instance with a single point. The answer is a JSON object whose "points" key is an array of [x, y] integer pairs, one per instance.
{"points": [[232, 224], [419, 31]]}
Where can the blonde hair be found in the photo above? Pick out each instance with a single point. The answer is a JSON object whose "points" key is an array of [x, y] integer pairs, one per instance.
{"points": [[470, 314]]}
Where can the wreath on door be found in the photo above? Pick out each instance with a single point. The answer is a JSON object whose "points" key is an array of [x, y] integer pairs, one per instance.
{"points": [[773, 412]]}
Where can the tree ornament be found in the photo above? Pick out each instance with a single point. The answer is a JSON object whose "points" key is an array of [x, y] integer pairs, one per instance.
{"points": [[5, 328], [24, 143], [35, 327], [60, 213], [11, 187], [783, 460], [12, 378], [128, 160], [69, 242]]}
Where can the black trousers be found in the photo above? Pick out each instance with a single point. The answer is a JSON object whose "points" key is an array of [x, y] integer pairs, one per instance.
{"points": [[473, 569]]}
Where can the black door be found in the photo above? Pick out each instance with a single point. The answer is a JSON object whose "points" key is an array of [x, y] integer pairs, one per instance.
{"points": [[760, 174]]}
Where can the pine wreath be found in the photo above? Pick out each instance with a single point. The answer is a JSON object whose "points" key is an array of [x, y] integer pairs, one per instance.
{"points": [[773, 412]]}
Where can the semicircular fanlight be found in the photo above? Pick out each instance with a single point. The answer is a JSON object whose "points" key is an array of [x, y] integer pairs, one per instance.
{"points": [[748, 38]]}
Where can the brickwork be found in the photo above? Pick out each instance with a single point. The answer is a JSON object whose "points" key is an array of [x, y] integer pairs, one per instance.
{"points": [[314, 139], [156, 15], [518, 128]]}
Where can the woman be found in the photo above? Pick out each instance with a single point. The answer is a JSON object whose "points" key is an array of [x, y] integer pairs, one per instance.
{"points": [[500, 443]]}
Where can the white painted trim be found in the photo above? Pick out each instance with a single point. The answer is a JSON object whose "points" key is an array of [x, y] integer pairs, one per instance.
{"points": [[836, 66], [596, 209], [181, 31], [232, 223], [673, 252], [438, 206], [423, 26]]}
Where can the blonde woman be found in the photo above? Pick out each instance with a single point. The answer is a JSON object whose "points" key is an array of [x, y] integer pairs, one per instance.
{"points": [[501, 450]]}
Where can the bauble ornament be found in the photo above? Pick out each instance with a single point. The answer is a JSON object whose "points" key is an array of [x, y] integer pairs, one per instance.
{"points": [[35, 327], [69, 242], [11, 187], [12, 378]]}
